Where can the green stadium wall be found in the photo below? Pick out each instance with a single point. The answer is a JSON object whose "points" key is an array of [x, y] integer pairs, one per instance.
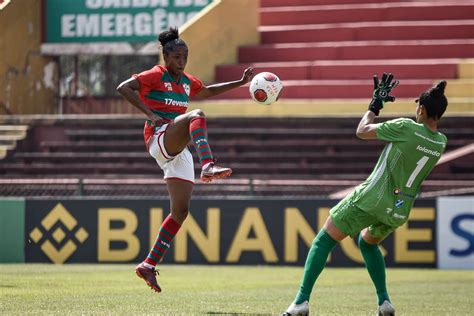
{"points": [[12, 231]]}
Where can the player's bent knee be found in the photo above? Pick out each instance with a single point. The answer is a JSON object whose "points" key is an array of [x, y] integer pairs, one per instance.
{"points": [[368, 239], [197, 113]]}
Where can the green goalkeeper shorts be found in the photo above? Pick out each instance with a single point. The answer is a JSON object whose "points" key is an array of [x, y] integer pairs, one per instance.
{"points": [[350, 219]]}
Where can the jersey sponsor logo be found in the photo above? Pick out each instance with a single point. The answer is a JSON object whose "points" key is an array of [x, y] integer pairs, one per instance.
{"points": [[187, 88], [428, 151], [399, 216], [53, 234], [176, 103], [430, 140], [168, 86]]}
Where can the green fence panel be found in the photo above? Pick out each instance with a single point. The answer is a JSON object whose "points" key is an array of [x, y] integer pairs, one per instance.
{"points": [[12, 231]]}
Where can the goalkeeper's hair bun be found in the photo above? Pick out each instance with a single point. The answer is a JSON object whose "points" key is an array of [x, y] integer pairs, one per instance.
{"points": [[169, 40], [439, 87], [434, 100]]}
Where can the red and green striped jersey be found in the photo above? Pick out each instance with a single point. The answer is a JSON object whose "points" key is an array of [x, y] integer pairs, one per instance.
{"points": [[164, 96]]}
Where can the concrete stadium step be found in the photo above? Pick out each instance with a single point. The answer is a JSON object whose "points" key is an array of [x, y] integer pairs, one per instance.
{"points": [[77, 168], [460, 88], [314, 147], [329, 145], [15, 130], [368, 31], [9, 136], [218, 133], [61, 157], [3, 151], [228, 157], [236, 145], [349, 89], [354, 69], [295, 3], [227, 110], [85, 134], [368, 12], [7, 142], [406, 49], [466, 69], [317, 135], [337, 89], [151, 168]]}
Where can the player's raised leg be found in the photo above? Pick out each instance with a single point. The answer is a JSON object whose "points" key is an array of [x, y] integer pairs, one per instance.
{"points": [[192, 126]]}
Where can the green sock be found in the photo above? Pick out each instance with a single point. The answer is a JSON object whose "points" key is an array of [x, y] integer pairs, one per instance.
{"points": [[322, 246], [376, 266]]}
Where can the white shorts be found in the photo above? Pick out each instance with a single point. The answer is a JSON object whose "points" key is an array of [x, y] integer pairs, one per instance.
{"points": [[180, 166]]}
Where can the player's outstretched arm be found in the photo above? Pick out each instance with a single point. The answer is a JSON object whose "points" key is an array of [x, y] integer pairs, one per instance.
{"points": [[219, 88]]}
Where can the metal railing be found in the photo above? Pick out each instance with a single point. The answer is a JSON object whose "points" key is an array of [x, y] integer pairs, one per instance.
{"points": [[85, 187]]}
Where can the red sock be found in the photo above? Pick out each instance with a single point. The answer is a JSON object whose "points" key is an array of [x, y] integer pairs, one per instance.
{"points": [[198, 132], [169, 228]]}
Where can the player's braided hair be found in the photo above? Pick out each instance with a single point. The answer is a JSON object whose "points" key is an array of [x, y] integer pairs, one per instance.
{"points": [[434, 100], [170, 40]]}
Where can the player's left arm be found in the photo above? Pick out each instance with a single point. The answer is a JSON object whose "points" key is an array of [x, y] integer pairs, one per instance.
{"points": [[367, 129], [218, 88]]}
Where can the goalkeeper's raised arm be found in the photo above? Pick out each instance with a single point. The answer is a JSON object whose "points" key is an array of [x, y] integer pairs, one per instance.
{"points": [[366, 129]]}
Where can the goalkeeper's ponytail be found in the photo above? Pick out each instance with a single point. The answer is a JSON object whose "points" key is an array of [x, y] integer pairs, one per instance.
{"points": [[434, 100]]}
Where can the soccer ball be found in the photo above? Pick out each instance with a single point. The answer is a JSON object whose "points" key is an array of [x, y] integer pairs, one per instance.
{"points": [[265, 88]]}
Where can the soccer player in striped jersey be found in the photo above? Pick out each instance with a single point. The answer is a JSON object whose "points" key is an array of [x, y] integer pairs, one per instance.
{"points": [[163, 94], [382, 202]]}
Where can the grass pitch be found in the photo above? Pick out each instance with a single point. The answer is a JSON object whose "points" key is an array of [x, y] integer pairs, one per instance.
{"points": [[224, 290]]}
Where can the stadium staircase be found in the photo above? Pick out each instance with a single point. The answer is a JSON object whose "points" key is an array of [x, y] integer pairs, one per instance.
{"points": [[106, 156], [9, 136], [325, 49], [322, 49]]}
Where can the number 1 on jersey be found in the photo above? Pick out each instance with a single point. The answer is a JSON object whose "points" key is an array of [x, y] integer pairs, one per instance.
{"points": [[419, 165]]}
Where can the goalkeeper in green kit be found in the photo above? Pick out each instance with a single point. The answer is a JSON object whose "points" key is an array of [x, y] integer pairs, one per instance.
{"points": [[382, 202]]}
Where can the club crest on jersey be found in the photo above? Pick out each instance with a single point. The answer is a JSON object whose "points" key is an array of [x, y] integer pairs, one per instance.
{"points": [[187, 88], [399, 203], [169, 86]]}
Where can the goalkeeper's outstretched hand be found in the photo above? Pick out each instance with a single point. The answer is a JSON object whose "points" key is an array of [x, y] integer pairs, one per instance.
{"points": [[382, 91]]}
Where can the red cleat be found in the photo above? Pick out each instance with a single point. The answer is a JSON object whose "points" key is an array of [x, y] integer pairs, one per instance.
{"points": [[214, 172], [149, 275]]}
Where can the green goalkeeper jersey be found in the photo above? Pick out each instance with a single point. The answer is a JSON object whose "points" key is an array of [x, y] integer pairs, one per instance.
{"points": [[411, 152]]}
